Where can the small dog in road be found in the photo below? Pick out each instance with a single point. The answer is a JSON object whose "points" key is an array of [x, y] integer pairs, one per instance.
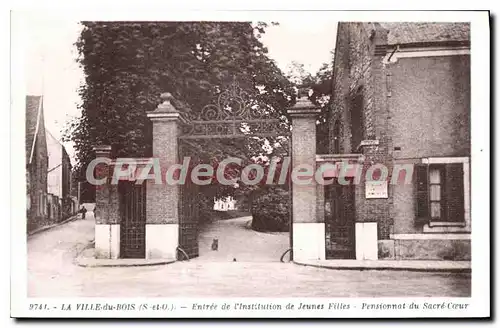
{"points": [[215, 244]]}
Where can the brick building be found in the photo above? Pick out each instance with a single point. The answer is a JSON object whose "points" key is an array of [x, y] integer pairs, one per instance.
{"points": [[36, 164], [401, 96]]}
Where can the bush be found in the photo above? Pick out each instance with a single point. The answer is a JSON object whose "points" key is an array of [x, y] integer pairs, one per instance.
{"points": [[271, 210]]}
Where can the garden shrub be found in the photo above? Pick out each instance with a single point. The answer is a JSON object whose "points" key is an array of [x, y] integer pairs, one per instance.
{"points": [[271, 210]]}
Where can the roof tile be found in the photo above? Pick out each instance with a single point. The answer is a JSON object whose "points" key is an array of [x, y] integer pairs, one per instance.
{"points": [[32, 106], [406, 33]]}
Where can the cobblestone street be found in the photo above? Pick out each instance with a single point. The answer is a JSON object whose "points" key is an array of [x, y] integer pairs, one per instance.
{"points": [[53, 273]]}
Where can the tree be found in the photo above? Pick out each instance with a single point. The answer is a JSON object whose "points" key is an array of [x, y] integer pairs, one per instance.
{"points": [[298, 75], [318, 88], [321, 96], [127, 65]]}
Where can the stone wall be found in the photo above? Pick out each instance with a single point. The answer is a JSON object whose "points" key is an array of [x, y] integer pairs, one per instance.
{"points": [[429, 249]]}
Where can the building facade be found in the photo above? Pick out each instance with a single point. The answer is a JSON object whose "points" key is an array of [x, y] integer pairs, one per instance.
{"points": [[48, 172], [224, 204], [59, 179], [401, 98], [36, 164]]}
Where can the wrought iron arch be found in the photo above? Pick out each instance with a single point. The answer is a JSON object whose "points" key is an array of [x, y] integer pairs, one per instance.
{"points": [[232, 114]]}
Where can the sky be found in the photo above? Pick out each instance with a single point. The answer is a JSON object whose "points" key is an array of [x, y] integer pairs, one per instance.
{"points": [[51, 69], [311, 45]]}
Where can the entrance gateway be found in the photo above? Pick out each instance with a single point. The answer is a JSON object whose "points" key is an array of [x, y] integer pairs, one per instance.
{"points": [[230, 116], [160, 221]]}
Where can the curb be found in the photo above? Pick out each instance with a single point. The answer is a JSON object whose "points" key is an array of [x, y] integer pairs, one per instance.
{"points": [[91, 262], [387, 268], [116, 265], [36, 231]]}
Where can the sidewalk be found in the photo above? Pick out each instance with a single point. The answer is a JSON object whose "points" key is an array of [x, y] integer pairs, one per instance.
{"points": [[45, 228], [396, 265], [87, 259]]}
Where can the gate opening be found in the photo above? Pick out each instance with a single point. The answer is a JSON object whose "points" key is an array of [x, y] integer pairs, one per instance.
{"points": [[132, 202], [231, 116], [339, 221]]}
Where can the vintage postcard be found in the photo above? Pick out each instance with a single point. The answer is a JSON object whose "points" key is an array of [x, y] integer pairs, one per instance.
{"points": [[314, 164]]}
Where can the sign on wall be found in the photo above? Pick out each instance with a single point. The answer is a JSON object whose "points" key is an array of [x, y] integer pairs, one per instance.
{"points": [[376, 189]]}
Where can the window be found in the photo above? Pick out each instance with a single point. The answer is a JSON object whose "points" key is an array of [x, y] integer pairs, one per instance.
{"points": [[435, 181], [440, 193], [40, 204], [357, 121]]}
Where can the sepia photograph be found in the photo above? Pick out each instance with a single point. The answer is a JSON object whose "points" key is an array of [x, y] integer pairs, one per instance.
{"points": [[316, 164]]}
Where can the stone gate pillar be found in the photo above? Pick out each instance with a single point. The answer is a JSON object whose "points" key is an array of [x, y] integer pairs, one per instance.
{"points": [[308, 228], [162, 217], [107, 227]]}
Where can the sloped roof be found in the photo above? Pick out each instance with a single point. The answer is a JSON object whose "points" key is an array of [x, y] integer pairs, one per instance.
{"points": [[410, 33], [33, 115], [54, 150]]}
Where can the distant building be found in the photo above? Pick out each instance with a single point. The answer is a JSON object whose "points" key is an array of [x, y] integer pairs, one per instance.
{"points": [[224, 204], [36, 164], [48, 171], [59, 179], [401, 95]]}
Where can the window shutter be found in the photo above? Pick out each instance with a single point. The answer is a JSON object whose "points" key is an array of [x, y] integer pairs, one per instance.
{"points": [[454, 192], [421, 194]]}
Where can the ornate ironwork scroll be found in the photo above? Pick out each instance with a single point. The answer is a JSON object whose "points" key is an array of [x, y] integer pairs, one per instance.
{"points": [[233, 114]]}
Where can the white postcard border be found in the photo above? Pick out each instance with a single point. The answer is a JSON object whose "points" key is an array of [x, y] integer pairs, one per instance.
{"points": [[480, 108]]}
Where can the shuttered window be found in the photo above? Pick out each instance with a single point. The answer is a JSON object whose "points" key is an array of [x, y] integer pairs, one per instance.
{"points": [[454, 192], [439, 193], [422, 198]]}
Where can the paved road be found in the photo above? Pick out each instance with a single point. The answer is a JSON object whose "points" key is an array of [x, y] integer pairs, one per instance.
{"points": [[51, 255], [52, 273], [238, 241]]}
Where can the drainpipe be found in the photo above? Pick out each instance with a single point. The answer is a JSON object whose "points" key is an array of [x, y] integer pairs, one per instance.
{"points": [[393, 52]]}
